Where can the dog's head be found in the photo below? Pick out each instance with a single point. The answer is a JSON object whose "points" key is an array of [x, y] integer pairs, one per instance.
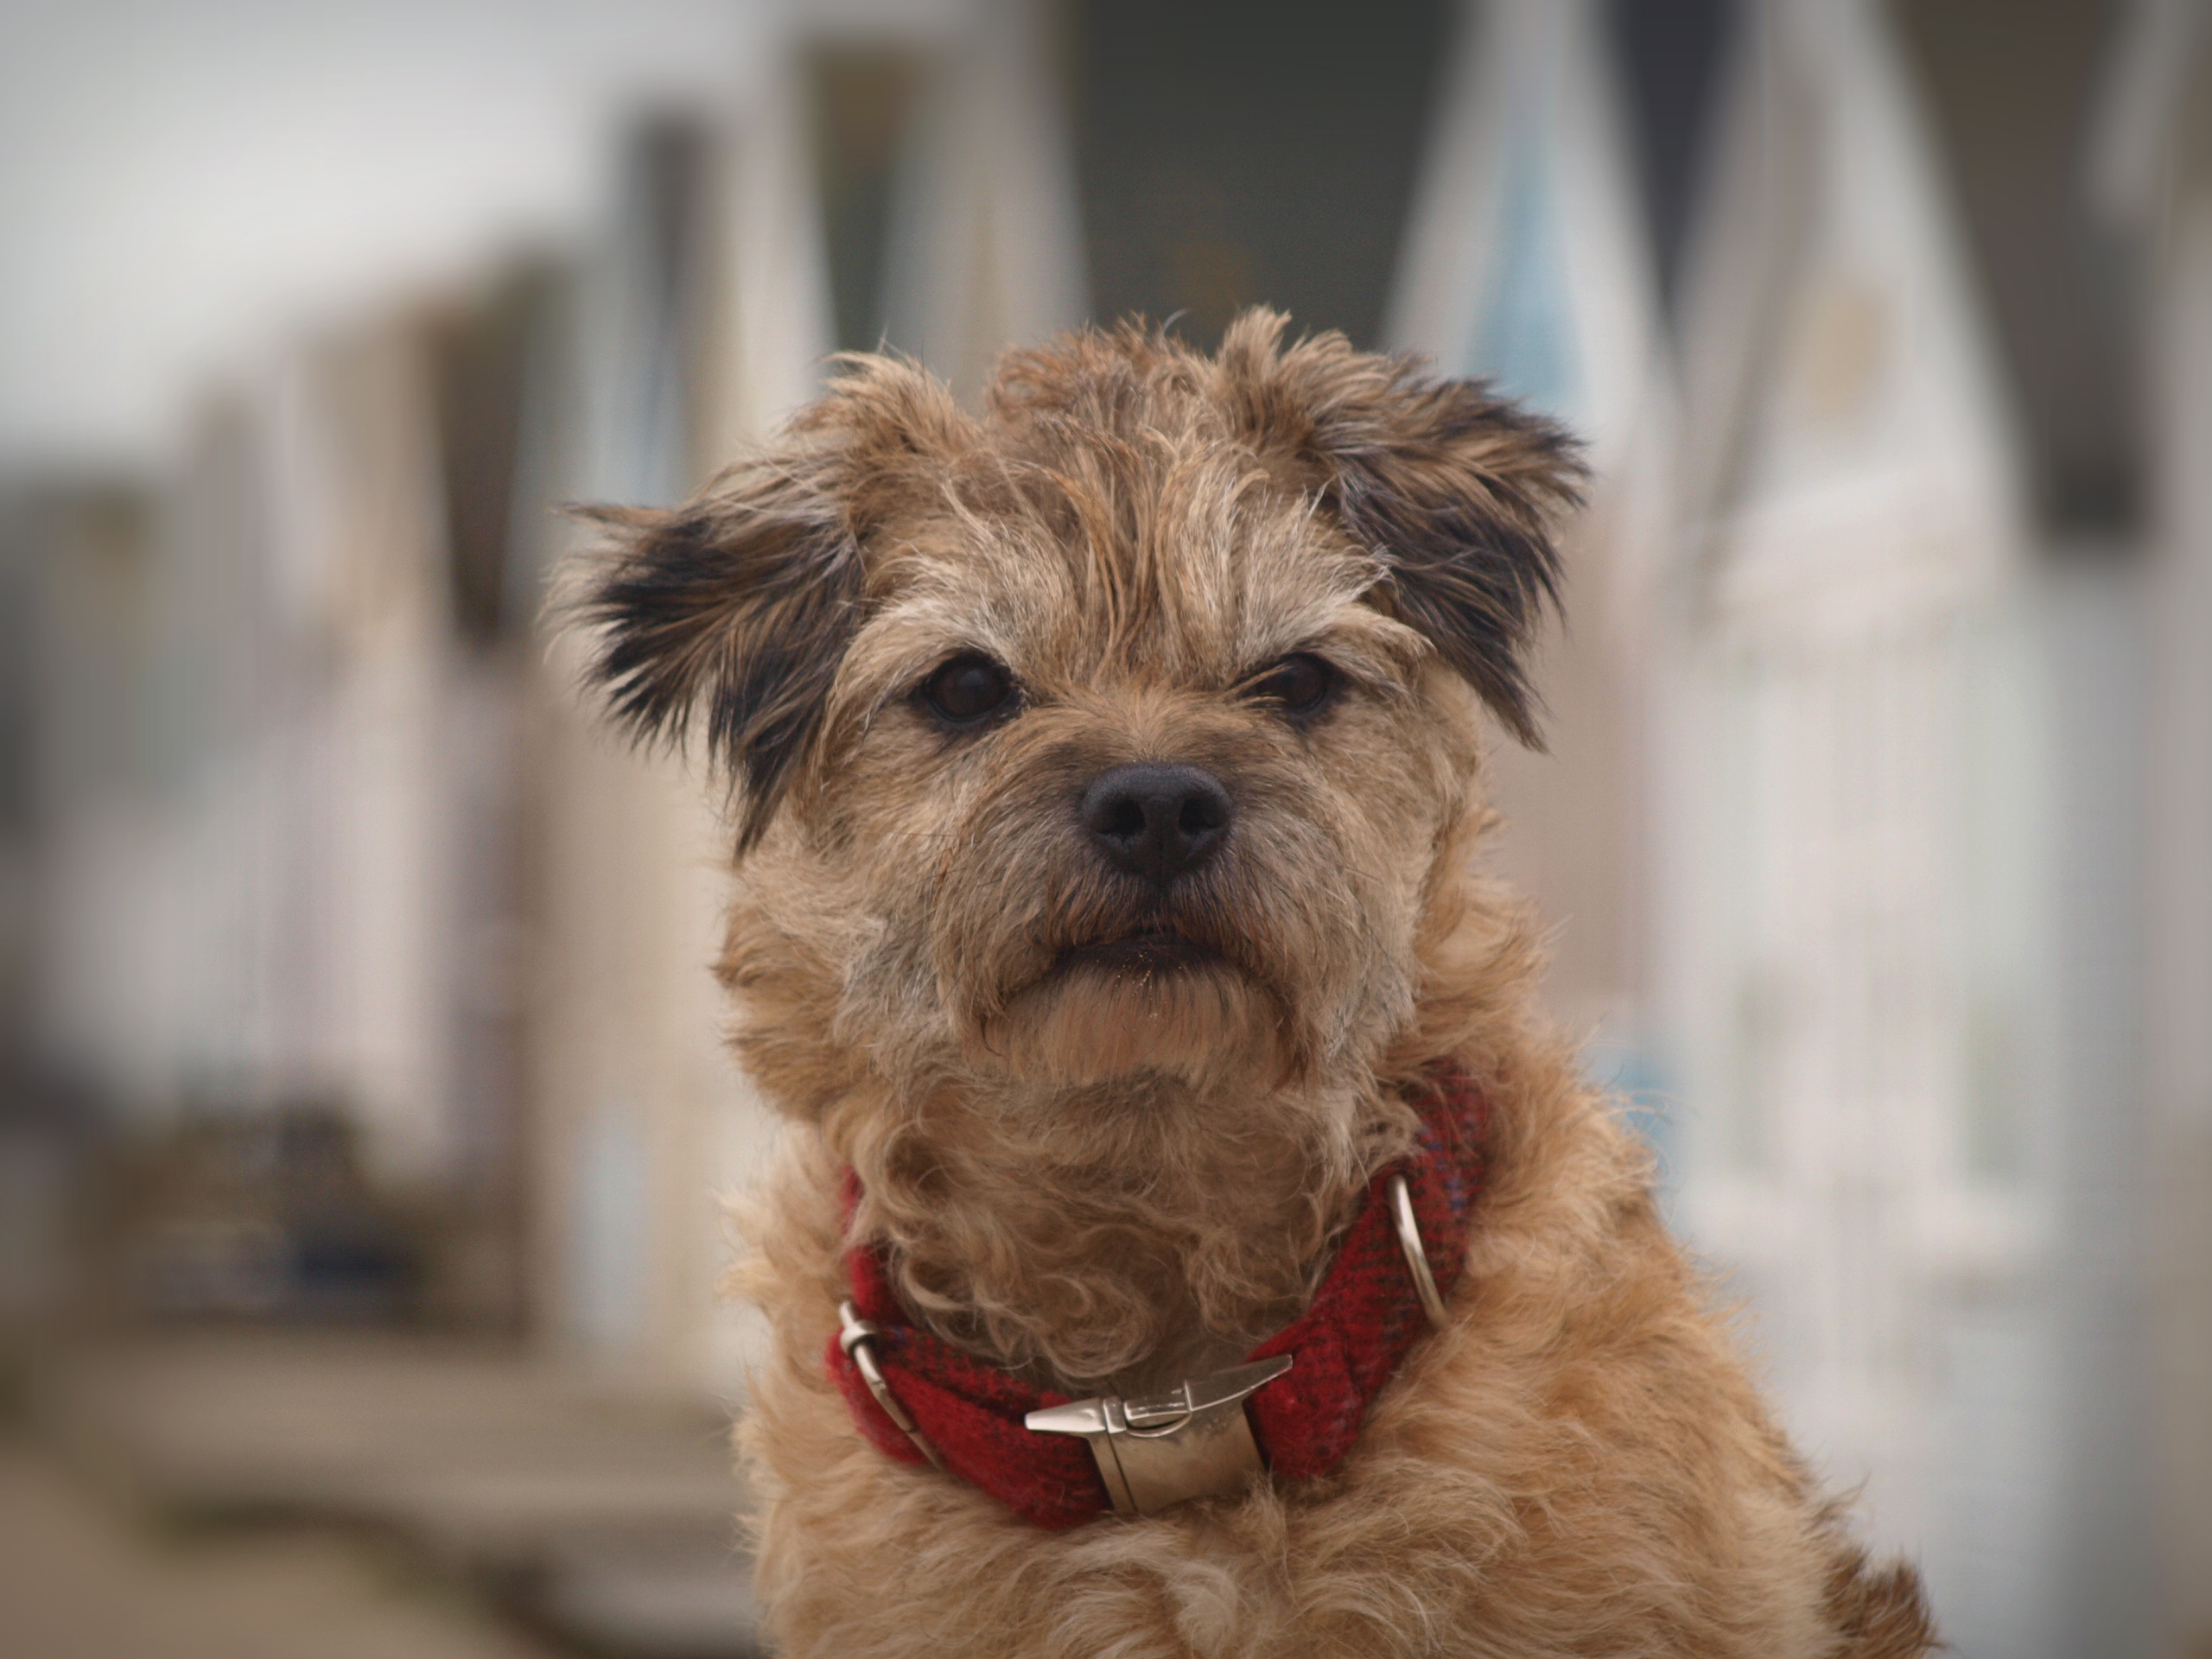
{"points": [[1117, 731]]}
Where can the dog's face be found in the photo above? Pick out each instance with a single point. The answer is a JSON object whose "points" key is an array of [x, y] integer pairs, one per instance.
{"points": [[1116, 732]]}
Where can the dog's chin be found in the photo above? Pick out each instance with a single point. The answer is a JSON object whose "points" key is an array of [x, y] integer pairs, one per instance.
{"points": [[1144, 1002]]}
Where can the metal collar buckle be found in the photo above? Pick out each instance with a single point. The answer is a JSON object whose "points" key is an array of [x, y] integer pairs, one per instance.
{"points": [[1193, 1441]]}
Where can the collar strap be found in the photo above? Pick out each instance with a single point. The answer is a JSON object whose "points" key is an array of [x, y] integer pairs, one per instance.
{"points": [[918, 1399]]}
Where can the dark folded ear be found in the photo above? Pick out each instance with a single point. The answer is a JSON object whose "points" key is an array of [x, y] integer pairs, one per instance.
{"points": [[1455, 490], [741, 603]]}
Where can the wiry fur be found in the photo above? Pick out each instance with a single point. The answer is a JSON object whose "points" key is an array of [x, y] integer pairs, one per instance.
{"points": [[1108, 1180]]}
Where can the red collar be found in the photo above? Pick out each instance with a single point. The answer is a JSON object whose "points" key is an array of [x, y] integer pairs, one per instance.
{"points": [[1348, 1344]]}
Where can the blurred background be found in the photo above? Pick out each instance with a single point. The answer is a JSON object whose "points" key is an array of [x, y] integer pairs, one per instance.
{"points": [[362, 1108]]}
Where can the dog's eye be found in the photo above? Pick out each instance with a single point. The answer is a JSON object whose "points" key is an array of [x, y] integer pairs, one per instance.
{"points": [[1299, 685], [968, 691]]}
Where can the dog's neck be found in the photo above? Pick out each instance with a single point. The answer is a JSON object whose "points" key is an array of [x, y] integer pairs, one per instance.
{"points": [[1123, 1235]]}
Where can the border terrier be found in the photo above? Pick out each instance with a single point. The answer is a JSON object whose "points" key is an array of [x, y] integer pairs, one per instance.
{"points": [[1187, 1238]]}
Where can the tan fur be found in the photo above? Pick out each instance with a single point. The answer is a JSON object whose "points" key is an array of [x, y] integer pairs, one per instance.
{"points": [[1107, 1180]]}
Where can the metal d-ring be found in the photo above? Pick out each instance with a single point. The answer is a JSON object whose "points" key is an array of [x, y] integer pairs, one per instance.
{"points": [[1401, 1209], [857, 1336]]}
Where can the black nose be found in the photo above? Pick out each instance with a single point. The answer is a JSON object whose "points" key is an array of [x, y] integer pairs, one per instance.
{"points": [[1157, 821]]}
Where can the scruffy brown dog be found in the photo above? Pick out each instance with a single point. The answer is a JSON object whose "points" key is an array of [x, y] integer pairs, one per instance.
{"points": [[1107, 773]]}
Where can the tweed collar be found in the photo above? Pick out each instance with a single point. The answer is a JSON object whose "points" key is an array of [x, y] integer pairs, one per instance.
{"points": [[1350, 1342]]}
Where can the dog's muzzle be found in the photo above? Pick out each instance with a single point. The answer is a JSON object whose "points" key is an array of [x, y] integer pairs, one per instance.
{"points": [[1193, 1441]]}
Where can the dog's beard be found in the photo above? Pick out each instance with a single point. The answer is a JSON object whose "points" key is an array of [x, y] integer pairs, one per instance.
{"points": [[1137, 1006], [1116, 985]]}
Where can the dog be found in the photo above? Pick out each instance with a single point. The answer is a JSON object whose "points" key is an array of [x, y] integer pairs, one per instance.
{"points": [[1187, 1237]]}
